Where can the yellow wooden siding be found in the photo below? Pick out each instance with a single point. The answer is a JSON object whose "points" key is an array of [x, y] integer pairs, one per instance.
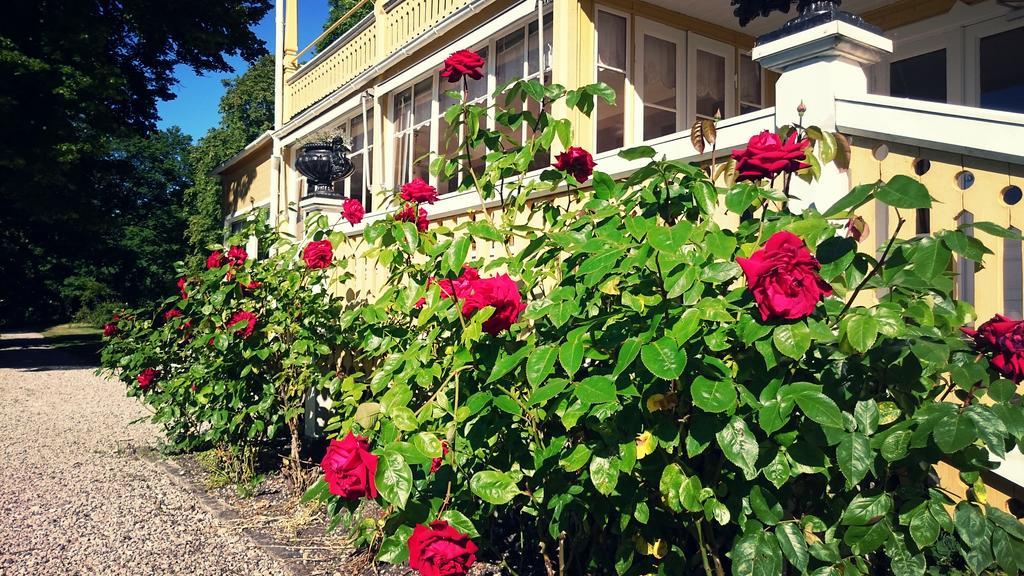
{"points": [[247, 183], [357, 55]]}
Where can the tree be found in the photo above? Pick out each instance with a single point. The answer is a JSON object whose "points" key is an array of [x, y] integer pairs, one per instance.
{"points": [[747, 10], [246, 111], [80, 80], [339, 8]]}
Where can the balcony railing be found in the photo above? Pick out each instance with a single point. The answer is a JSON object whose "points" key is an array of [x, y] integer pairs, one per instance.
{"points": [[395, 25]]}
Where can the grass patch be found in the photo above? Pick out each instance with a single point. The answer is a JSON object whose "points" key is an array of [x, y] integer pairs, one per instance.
{"points": [[83, 340]]}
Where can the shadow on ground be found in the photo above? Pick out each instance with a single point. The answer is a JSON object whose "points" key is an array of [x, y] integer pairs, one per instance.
{"points": [[34, 353]]}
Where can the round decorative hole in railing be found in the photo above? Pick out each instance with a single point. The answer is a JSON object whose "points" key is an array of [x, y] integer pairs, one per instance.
{"points": [[964, 179], [922, 166], [1011, 195], [880, 152]]}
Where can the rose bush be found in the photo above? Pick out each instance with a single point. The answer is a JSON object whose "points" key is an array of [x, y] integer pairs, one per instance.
{"points": [[682, 378], [229, 361]]}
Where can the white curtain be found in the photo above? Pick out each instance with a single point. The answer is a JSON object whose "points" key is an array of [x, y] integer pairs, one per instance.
{"points": [[611, 41]]}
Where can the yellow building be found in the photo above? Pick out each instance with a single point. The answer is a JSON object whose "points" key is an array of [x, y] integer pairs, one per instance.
{"points": [[936, 94]]}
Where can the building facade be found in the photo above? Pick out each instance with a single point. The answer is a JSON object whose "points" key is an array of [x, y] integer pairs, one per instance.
{"points": [[938, 95]]}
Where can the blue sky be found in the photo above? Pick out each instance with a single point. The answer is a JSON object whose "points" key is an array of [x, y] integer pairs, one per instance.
{"points": [[195, 108]]}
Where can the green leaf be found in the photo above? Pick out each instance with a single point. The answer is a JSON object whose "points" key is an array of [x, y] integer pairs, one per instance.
{"points": [[393, 478], [318, 491], [966, 246], [409, 238], [596, 390], [990, 428], [865, 510], [904, 192], [930, 257], [576, 459], [861, 331], [865, 414], [540, 364], [793, 545], [428, 444], [394, 549], [671, 486], [460, 522], [663, 358], [765, 506], [603, 474], [670, 240], [778, 470], [739, 198], [923, 528], [993, 229], [637, 153], [404, 419], [548, 391], [856, 198], [627, 353], [506, 364], [739, 445], [690, 495], [895, 445], [954, 432], [712, 395], [854, 456], [570, 354], [494, 487], [970, 525], [705, 195], [756, 554], [820, 408], [793, 340], [459, 251]]}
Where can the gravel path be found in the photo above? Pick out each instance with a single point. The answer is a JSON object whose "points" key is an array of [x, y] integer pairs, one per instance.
{"points": [[74, 499]]}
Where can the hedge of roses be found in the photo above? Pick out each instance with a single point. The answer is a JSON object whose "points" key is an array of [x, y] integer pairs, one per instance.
{"points": [[632, 388], [228, 360]]}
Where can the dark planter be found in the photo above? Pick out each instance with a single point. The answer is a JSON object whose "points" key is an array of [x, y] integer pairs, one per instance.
{"points": [[323, 163]]}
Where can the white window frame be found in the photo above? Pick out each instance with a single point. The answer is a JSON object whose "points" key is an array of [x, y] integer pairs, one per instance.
{"points": [[697, 42], [644, 28], [396, 134], [621, 100], [951, 41], [972, 37], [369, 142]]}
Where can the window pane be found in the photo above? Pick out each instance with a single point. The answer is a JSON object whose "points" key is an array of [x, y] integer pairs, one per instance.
{"points": [[403, 154], [509, 52], [611, 41], [750, 83], [356, 178], [424, 98], [356, 134], [403, 109], [367, 195], [369, 126], [610, 118], [710, 89], [659, 72], [543, 158], [921, 77], [477, 88], [533, 63], [421, 152], [658, 122], [1013, 277], [1002, 76]]}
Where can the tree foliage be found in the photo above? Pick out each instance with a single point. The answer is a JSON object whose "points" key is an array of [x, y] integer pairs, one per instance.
{"points": [[337, 9], [81, 82]]}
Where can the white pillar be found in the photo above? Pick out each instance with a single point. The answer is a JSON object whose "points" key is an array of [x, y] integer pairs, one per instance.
{"points": [[816, 66]]}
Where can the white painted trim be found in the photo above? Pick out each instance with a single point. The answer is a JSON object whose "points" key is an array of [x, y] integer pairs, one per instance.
{"points": [[732, 133], [958, 129], [242, 214], [629, 92], [332, 117], [855, 43]]}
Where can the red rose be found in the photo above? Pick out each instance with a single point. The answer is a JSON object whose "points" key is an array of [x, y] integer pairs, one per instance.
{"points": [[181, 286], [349, 468], [457, 288], [576, 161], [214, 260], [237, 255], [172, 314], [243, 316], [440, 550], [501, 293], [435, 464], [1003, 338], [252, 285], [187, 325], [319, 254], [767, 156], [419, 191], [109, 329], [409, 213], [463, 63], [146, 378], [783, 277], [352, 210]]}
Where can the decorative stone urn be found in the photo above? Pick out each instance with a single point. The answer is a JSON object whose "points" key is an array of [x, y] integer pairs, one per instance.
{"points": [[322, 163]]}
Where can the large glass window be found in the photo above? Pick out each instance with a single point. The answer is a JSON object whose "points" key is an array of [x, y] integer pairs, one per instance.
{"points": [[1013, 277], [710, 88], [611, 69], [921, 77], [357, 185], [413, 110], [1002, 76], [659, 87]]}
